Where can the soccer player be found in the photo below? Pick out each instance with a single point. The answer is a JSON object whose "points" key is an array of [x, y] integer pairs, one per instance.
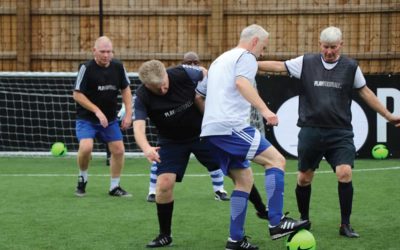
{"points": [[217, 177], [167, 98], [327, 80], [97, 86], [230, 94]]}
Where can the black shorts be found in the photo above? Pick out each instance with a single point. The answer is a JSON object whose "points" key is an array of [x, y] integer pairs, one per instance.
{"points": [[336, 145], [175, 155]]}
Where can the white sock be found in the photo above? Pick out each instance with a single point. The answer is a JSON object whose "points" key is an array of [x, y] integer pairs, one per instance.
{"points": [[153, 178], [114, 183], [84, 174]]}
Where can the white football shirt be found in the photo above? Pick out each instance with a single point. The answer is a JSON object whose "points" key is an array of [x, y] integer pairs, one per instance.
{"points": [[225, 107]]}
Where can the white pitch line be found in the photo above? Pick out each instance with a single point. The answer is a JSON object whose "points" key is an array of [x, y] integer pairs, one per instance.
{"points": [[186, 175]]}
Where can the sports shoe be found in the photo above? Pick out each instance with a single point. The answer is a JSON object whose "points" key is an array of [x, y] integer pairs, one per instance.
{"points": [[119, 192], [262, 214], [238, 245], [81, 188], [286, 226], [161, 240], [221, 196], [151, 198], [347, 231]]}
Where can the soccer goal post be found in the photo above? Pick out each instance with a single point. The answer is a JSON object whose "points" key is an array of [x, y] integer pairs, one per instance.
{"points": [[37, 110]]}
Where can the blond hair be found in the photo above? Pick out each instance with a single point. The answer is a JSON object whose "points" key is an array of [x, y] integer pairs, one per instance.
{"points": [[152, 72]]}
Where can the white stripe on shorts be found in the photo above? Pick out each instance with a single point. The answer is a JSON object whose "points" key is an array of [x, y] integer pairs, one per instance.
{"points": [[253, 141]]}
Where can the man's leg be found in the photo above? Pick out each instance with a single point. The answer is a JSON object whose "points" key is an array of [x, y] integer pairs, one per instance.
{"points": [[274, 164], [151, 197], [83, 160], [165, 206], [303, 192], [117, 150], [345, 191]]}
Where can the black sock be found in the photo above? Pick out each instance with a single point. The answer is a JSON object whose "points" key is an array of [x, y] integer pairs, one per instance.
{"points": [[255, 198], [345, 191], [303, 195], [164, 212]]}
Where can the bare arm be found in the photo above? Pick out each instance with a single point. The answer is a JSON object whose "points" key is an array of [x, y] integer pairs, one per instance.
{"points": [[87, 104], [272, 66], [139, 129], [199, 101], [370, 98], [250, 94], [127, 100]]}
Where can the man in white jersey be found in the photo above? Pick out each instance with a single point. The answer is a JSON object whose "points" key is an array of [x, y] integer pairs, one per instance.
{"points": [[230, 94], [327, 81]]}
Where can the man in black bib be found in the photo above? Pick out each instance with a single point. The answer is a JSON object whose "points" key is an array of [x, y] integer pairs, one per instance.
{"points": [[327, 80], [97, 86], [167, 98]]}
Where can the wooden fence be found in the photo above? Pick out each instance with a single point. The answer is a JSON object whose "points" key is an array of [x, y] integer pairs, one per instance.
{"points": [[56, 35]]}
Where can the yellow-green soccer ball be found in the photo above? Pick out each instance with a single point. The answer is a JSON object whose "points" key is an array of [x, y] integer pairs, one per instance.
{"points": [[58, 149], [302, 239], [380, 152]]}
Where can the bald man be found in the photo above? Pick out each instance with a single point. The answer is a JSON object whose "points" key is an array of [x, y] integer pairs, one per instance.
{"points": [[97, 86]]}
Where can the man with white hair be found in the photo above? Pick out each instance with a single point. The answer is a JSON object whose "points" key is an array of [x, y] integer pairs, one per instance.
{"points": [[327, 81], [230, 94]]}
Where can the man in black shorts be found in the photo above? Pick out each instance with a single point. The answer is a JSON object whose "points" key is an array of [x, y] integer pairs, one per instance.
{"points": [[97, 86], [167, 98], [327, 81], [217, 177]]}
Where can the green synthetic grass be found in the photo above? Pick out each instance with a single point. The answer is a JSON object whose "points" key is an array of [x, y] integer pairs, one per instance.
{"points": [[39, 210]]}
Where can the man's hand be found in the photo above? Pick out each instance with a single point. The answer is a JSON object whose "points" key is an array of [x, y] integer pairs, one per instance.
{"points": [[152, 154], [102, 118]]}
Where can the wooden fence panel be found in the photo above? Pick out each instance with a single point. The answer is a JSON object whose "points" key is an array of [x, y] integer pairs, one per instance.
{"points": [[62, 32]]}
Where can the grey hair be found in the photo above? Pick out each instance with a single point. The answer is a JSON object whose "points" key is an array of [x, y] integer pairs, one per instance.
{"points": [[152, 72], [253, 30], [330, 35]]}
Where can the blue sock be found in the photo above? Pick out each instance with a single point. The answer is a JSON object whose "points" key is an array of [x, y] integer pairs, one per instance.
{"points": [[238, 214], [274, 187]]}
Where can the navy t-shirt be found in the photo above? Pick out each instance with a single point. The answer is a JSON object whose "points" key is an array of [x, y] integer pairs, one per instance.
{"points": [[174, 114]]}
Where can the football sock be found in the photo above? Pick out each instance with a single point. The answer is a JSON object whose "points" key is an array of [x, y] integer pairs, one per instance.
{"points": [[255, 198], [153, 178], [84, 174], [238, 214], [217, 178], [274, 187], [164, 213], [303, 195], [345, 191], [114, 183]]}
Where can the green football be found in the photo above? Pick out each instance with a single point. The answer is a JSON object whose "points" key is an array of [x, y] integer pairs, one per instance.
{"points": [[58, 149], [380, 151]]}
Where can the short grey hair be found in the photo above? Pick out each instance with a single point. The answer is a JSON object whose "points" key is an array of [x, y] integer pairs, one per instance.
{"points": [[253, 30], [152, 72], [330, 35]]}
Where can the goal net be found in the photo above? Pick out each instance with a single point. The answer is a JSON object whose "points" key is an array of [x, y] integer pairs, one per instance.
{"points": [[37, 109]]}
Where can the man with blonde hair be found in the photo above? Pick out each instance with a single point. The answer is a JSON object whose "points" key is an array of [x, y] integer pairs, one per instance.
{"points": [[166, 96], [230, 94], [327, 80], [97, 86]]}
